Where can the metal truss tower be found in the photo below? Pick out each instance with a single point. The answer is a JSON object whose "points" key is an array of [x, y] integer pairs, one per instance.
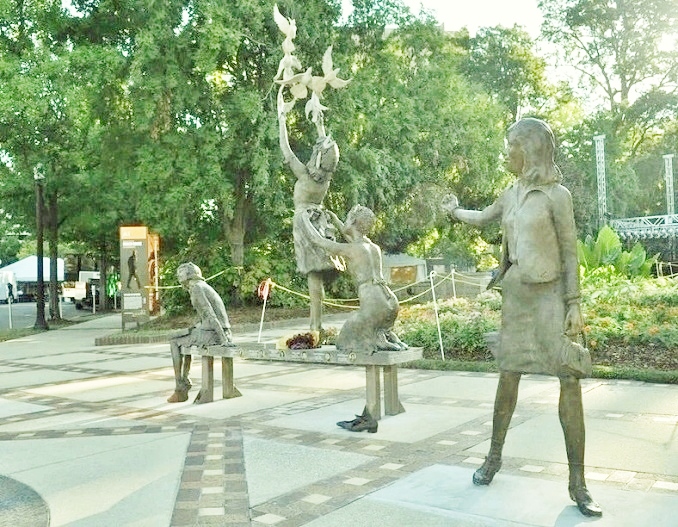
{"points": [[668, 175], [599, 141]]}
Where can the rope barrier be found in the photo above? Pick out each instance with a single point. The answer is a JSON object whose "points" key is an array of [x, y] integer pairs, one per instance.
{"points": [[266, 287], [178, 286], [453, 275], [333, 302]]}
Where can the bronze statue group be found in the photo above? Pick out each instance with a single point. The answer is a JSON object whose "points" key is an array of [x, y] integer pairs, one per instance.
{"points": [[541, 315]]}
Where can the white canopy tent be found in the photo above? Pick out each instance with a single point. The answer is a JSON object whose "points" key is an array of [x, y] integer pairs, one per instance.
{"points": [[26, 270]]}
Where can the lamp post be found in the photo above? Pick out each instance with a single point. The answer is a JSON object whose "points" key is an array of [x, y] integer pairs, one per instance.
{"points": [[39, 178]]}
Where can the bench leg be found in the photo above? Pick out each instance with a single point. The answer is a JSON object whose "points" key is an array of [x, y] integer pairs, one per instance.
{"points": [[206, 394], [391, 400], [373, 391], [228, 389]]}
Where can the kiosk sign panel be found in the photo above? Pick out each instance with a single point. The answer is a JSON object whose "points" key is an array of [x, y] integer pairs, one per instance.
{"points": [[134, 274]]}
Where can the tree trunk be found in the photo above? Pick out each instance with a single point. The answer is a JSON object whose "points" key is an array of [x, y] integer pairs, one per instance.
{"points": [[235, 229], [103, 268], [40, 322]]}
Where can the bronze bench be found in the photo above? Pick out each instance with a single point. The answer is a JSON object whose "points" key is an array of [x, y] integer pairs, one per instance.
{"points": [[228, 389], [387, 361]]}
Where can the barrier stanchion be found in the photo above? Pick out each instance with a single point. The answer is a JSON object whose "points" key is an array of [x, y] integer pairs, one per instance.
{"points": [[454, 285], [9, 310], [263, 291], [435, 308]]}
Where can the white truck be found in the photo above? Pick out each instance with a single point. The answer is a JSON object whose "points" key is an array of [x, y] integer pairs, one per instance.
{"points": [[79, 292]]}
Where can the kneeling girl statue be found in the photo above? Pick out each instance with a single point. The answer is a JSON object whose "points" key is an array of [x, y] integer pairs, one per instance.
{"points": [[370, 328]]}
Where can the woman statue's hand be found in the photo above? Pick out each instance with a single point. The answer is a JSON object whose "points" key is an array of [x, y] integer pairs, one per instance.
{"points": [[574, 324], [449, 204]]}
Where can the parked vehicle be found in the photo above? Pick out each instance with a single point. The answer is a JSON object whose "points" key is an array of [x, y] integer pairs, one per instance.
{"points": [[80, 292]]}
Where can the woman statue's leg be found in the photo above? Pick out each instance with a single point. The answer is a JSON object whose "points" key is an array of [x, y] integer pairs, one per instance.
{"points": [[571, 412], [504, 404]]}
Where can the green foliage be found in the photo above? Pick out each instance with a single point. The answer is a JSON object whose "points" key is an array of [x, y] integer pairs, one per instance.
{"points": [[630, 74], [622, 315], [629, 310], [606, 252], [504, 62], [163, 114], [636, 374], [9, 249], [452, 365], [406, 141], [464, 324], [618, 46]]}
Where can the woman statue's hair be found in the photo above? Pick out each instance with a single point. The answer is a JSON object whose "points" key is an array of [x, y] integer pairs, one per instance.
{"points": [[538, 144]]}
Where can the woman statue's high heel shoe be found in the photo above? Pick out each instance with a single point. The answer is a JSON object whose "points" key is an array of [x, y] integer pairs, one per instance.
{"points": [[485, 474], [585, 503]]}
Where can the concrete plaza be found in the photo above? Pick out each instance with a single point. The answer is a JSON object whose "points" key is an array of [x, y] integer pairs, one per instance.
{"points": [[88, 439]]}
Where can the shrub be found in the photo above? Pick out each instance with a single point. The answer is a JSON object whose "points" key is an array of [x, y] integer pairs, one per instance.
{"points": [[628, 321], [606, 252], [631, 311], [463, 325]]}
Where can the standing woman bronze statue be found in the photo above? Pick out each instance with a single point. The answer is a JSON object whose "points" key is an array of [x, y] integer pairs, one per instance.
{"points": [[540, 295]]}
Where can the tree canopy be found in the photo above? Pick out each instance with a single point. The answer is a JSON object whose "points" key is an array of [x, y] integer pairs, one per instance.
{"points": [[164, 114]]}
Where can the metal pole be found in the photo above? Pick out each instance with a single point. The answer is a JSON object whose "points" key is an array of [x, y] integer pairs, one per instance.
{"points": [[40, 322], [435, 308]]}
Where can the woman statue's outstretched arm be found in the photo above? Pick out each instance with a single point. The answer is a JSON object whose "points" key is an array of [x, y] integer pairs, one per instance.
{"points": [[290, 158]]}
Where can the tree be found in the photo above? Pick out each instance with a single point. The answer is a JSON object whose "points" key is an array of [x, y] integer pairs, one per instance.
{"points": [[10, 239], [619, 47], [410, 128], [164, 115], [625, 55], [504, 62]]}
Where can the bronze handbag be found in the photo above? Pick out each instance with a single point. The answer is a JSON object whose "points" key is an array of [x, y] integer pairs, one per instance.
{"points": [[575, 359]]}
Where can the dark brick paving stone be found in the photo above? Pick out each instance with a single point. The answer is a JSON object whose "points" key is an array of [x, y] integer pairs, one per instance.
{"points": [[191, 475], [188, 495]]}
